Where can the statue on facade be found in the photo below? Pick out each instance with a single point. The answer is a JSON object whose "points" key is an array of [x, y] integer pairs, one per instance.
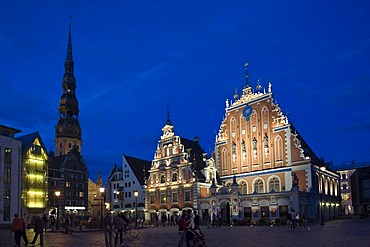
{"points": [[294, 180]]}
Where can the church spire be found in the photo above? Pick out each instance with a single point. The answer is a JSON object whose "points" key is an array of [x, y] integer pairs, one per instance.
{"points": [[68, 130], [69, 45]]}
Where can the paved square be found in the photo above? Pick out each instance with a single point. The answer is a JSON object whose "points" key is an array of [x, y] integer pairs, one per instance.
{"points": [[343, 232]]}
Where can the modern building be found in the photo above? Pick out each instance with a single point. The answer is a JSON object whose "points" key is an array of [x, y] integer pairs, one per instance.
{"points": [[34, 175], [68, 174], [132, 193], [345, 171], [266, 167], [360, 183], [179, 176], [10, 174]]}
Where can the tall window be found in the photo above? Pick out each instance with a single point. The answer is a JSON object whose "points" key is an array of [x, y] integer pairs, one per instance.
{"points": [[174, 197], [187, 196], [174, 177], [224, 159], [163, 198], [278, 149], [274, 184], [163, 178], [258, 186], [243, 188], [7, 183], [151, 199]]}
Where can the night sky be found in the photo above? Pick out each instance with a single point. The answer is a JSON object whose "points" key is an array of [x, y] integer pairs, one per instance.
{"points": [[132, 57]]}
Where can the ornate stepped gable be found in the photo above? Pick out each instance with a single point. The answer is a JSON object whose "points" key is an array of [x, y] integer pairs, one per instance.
{"points": [[176, 167], [256, 135]]}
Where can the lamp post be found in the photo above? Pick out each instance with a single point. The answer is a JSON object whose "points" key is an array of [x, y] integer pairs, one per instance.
{"points": [[57, 194], [323, 168], [136, 194], [101, 190]]}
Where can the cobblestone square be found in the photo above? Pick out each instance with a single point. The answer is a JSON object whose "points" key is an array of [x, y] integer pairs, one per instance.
{"points": [[343, 232]]}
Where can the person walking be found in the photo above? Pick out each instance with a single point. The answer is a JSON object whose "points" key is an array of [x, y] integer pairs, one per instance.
{"points": [[39, 230], [46, 221], [294, 219], [67, 221], [118, 223], [19, 228], [164, 219], [182, 230], [156, 219], [108, 228], [304, 221], [289, 221]]}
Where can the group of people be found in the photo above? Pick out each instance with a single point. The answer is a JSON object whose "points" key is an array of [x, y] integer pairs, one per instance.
{"points": [[189, 228], [115, 224], [292, 220], [18, 227]]}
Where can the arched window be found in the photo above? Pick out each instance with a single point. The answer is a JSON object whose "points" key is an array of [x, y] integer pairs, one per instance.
{"points": [[224, 159], [258, 186], [278, 148], [163, 178], [243, 188], [274, 184]]}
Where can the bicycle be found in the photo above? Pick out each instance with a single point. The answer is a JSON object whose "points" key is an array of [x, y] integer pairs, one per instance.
{"points": [[132, 231]]}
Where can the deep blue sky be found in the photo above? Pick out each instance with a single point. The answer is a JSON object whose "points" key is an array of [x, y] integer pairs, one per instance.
{"points": [[132, 56]]}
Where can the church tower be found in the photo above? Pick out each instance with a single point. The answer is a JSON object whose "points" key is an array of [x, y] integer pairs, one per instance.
{"points": [[68, 130]]}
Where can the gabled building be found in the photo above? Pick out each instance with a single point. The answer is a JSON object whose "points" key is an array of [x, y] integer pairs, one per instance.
{"points": [[34, 175], [10, 174], [114, 189], [266, 167], [179, 175], [132, 193]]}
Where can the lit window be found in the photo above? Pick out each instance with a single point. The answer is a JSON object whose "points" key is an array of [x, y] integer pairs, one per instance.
{"points": [[68, 184], [163, 198]]}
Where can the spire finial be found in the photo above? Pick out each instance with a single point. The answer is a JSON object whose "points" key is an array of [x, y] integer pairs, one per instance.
{"points": [[246, 74], [168, 113], [236, 95], [69, 45], [258, 85]]}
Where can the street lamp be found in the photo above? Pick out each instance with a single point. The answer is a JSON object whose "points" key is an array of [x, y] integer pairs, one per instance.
{"points": [[57, 194], [101, 190], [136, 194], [323, 168]]}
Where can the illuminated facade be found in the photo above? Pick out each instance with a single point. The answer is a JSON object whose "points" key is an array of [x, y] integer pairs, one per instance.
{"points": [[345, 171], [34, 175], [114, 189], [68, 173], [265, 166], [10, 174], [179, 176], [134, 174]]}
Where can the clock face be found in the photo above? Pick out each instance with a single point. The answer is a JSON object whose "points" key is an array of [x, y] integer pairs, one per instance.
{"points": [[247, 112]]}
